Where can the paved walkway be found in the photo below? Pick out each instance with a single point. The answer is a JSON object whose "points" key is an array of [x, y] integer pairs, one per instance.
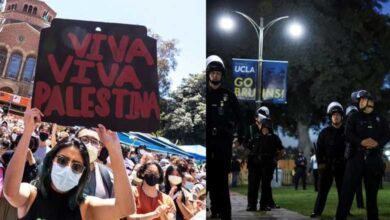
{"points": [[239, 212]]}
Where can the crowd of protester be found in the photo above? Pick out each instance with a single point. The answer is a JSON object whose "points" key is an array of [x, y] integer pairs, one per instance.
{"points": [[163, 186]]}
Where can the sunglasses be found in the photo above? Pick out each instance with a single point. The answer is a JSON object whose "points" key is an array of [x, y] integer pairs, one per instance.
{"points": [[87, 140], [64, 161]]}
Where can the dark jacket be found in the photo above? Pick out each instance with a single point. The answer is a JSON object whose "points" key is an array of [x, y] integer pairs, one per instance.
{"points": [[331, 145], [360, 126], [223, 113], [299, 161]]}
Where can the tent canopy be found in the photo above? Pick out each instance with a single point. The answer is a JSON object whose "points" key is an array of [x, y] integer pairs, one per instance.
{"points": [[152, 143], [198, 151]]}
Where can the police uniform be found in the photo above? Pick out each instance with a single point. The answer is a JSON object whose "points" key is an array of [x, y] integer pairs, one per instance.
{"points": [[363, 163], [261, 164], [331, 161], [222, 120], [300, 164]]}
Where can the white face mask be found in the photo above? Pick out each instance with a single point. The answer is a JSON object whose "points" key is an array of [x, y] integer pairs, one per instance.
{"points": [[13, 136], [142, 152], [174, 180], [63, 178], [189, 185], [92, 152]]}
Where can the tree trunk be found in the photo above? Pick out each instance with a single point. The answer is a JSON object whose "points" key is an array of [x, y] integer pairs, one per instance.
{"points": [[304, 142]]}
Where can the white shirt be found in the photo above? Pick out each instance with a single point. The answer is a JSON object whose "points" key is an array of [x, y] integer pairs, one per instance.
{"points": [[313, 162]]}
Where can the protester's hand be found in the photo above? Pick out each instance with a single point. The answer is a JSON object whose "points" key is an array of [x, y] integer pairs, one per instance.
{"points": [[162, 209], [31, 117], [146, 157], [172, 191], [179, 197], [109, 138], [201, 205]]}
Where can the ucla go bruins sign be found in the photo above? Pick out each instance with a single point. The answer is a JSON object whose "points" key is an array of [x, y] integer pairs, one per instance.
{"points": [[274, 80], [245, 79]]}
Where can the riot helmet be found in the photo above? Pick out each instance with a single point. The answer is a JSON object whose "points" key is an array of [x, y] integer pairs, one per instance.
{"points": [[215, 63], [357, 95], [262, 112], [350, 109], [334, 107]]}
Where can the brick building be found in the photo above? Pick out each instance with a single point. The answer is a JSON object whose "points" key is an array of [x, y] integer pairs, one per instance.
{"points": [[21, 23]]}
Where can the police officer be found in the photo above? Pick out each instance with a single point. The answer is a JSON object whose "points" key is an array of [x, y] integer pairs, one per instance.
{"points": [[222, 120], [254, 132], [265, 148], [330, 156], [367, 132], [300, 166], [359, 190]]}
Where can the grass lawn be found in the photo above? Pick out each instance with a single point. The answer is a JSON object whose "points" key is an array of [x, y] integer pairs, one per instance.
{"points": [[302, 201]]}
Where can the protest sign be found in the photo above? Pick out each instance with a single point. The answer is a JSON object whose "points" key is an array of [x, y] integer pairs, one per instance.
{"points": [[93, 72]]}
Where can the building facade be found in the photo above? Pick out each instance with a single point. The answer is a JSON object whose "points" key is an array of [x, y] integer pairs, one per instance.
{"points": [[20, 26]]}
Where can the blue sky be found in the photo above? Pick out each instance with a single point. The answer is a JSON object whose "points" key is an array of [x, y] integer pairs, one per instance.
{"points": [[184, 20]]}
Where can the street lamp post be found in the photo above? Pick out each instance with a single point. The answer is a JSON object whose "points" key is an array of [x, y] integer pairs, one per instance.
{"points": [[261, 30]]}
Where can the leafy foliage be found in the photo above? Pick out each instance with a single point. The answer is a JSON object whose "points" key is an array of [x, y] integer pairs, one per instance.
{"points": [[167, 52], [185, 118]]}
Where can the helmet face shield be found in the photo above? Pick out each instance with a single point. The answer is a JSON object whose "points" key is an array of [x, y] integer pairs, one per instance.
{"points": [[334, 107], [215, 64], [357, 95]]}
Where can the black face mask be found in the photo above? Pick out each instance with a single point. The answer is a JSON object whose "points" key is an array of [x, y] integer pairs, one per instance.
{"points": [[216, 82], [43, 136], [151, 179]]}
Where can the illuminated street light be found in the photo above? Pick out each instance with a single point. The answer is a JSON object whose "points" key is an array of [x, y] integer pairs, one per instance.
{"points": [[226, 23], [296, 30]]}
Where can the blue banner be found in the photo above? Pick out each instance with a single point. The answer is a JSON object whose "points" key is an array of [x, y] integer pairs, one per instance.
{"points": [[274, 81], [245, 78]]}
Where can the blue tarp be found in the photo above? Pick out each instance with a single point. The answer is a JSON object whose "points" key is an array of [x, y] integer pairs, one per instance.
{"points": [[137, 139], [198, 151], [171, 148], [129, 140]]}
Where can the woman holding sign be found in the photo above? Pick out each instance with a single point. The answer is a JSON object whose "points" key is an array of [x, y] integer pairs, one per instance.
{"points": [[59, 192]]}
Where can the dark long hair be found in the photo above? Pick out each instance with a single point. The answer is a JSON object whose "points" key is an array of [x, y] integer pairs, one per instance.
{"points": [[143, 168], [168, 172], [44, 182]]}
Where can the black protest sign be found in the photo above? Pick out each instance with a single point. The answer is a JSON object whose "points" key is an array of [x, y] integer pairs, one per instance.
{"points": [[93, 72]]}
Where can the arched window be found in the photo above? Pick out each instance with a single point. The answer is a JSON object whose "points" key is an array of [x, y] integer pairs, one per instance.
{"points": [[30, 9], [14, 66], [29, 69], [35, 11], [25, 8], [3, 59]]}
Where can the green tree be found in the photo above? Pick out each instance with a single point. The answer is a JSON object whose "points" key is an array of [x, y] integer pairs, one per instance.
{"points": [[345, 47], [167, 52], [185, 118]]}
